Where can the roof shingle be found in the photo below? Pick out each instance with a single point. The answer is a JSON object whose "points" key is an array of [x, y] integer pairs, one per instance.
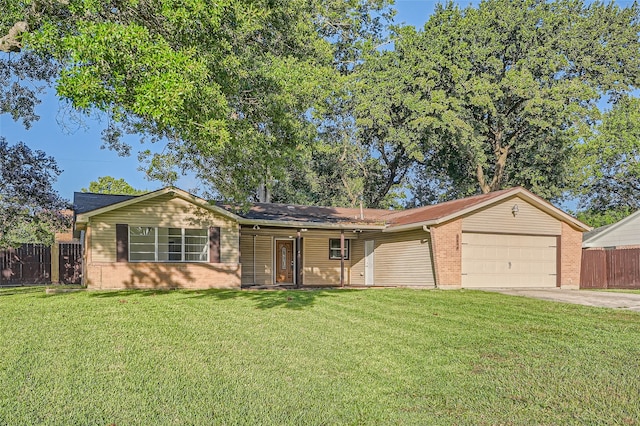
{"points": [[86, 201]]}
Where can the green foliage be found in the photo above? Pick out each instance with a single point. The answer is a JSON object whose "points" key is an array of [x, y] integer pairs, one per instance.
{"points": [[336, 171], [111, 185], [301, 96], [228, 86], [608, 162], [31, 211], [496, 95], [597, 218], [313, 357]]}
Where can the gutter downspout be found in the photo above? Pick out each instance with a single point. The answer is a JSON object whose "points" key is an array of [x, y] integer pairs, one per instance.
{"points": [[83, 248], [342, 258], [254, 259], [436, 272], [298, 260]]}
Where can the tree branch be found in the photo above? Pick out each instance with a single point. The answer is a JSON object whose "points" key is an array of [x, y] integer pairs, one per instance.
{"points": [[11, 42]]}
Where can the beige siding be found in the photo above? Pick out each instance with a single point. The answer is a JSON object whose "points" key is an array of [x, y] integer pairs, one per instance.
{"points": [[402, 258], [356, 277], [259, 255], [318, 268], [262, 257], [499, 218], [163, 211]]}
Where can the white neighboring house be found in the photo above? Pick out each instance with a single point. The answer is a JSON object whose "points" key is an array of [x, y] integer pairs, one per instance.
{"points": [[622, 234]]}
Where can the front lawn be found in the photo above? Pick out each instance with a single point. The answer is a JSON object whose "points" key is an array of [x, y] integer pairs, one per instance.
{"points": [[314, 357]]}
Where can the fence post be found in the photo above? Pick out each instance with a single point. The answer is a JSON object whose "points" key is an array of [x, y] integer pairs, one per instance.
{"points": [[55, 263]]}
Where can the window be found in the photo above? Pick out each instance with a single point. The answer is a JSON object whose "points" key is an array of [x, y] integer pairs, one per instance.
{"points": [[334, 249], [142, 244], [148, 244]]}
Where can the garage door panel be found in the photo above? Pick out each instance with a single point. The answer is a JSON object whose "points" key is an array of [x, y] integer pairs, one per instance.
{"points": [[493, 260], [501, 252]]}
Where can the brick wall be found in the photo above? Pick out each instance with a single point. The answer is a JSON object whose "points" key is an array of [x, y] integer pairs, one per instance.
{"points": [[570, 257], [149, 275], [447, 254]]}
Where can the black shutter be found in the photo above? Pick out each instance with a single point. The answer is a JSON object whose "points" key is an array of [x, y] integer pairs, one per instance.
{"points": [[214, 244], [122, 242]]}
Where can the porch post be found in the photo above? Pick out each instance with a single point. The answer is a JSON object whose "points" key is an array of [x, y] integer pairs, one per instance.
{"points": [[298, 260], [342, 258]]}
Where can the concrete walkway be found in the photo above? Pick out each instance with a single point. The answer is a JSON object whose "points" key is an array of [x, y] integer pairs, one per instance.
{"points": [[601, 299]]}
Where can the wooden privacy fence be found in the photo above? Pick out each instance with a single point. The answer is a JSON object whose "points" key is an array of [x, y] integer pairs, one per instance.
{"points": [[39, 264], [70, 263], [28, 264], [618, 268]]}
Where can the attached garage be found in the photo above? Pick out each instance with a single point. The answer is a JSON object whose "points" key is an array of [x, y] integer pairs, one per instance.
{"points": [[508, 238], [502, 260]]}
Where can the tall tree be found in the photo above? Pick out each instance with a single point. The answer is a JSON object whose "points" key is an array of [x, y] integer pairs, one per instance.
{"points": [[227, 85], [608, 162], [29, 206], [338, 168], [111, 185], [495, 95]]}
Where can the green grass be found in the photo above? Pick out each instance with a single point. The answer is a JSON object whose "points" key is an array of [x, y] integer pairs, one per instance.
{"points": [[313, 357]]}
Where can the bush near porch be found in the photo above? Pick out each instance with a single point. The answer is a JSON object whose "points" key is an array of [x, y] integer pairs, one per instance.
{"points": [[313, 357]]}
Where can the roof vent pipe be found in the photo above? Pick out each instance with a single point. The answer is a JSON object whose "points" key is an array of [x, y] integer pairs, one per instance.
{"points": [[361, 209]]}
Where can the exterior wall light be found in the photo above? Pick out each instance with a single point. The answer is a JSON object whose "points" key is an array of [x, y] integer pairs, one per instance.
{"points": [[515, 210]]}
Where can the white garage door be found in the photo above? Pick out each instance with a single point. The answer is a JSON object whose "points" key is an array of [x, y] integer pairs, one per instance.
{"points": [[493, 260]]}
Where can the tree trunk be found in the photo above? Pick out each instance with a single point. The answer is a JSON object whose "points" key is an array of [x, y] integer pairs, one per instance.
{"points": [[498, 175]]}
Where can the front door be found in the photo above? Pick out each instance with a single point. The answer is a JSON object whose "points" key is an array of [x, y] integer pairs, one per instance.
{"points": [[284, 261]]}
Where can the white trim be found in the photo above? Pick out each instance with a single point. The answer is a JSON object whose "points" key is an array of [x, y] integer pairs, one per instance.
{"points": [[528, 196], [176, 192], [309, 225], [156, 257], [541, 204], [347, 249]]}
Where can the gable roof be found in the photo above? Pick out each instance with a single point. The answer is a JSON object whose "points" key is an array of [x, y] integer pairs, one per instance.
{"points": [[591, 239], [441, 212], [444, 212], [595, 231], [174, 192], [285, 215], [86, 201]]}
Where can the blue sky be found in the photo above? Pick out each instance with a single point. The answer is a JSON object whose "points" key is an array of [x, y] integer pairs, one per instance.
{"points": [[76, 148]]}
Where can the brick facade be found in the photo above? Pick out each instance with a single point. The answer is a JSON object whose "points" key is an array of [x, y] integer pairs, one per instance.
{"points": [[447, 254], [143, 275], [570, 257]]}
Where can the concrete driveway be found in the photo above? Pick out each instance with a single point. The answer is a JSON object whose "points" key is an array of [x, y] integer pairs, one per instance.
{"points": [[600, 299]]}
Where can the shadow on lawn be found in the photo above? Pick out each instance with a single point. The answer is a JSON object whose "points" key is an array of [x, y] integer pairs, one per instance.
{"points": [[267, 299], [8, 291], [263, 299]]}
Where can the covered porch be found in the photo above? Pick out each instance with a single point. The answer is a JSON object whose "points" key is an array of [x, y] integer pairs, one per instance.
{"points": [[298, 257]]}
